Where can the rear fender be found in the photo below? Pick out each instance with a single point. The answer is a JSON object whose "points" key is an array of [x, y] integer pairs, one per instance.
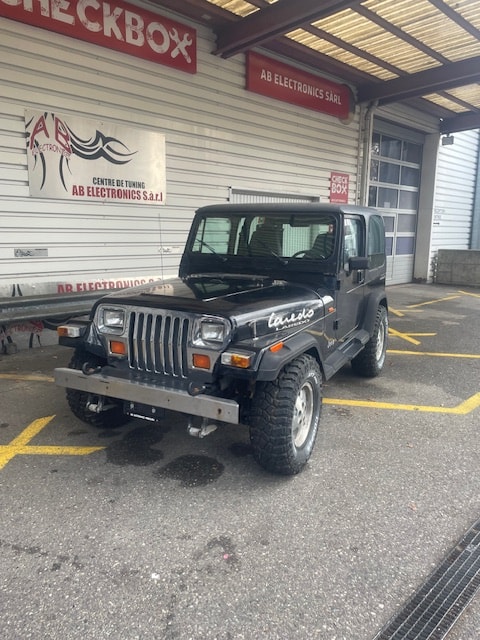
{"points": [[374, 302]]}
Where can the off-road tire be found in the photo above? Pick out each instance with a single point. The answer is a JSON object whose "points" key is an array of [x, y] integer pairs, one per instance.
{"points": [[77, 400], [285, 415], [370, 361]]}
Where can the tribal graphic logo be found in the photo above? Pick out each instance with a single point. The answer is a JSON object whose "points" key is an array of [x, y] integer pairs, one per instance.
{"points": [[49, 134]]}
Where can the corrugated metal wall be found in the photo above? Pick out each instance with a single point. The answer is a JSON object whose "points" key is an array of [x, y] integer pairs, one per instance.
{"points": [[455, 191], [406, 117], [217, 135], [251, 196]]}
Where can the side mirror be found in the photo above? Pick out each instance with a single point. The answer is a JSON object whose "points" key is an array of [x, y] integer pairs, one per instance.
{"points": [[358, 262]]}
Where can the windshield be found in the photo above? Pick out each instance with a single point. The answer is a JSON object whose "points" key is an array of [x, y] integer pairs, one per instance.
{"points": [[283, 236]]}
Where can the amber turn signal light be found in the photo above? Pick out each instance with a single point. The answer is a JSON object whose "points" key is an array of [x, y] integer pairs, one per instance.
{"points": [[118, 348], [201, 361], [276, 347]]}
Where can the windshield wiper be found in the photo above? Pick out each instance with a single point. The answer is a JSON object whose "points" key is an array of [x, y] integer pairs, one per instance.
{"points": [[202, 243], [283, 261]]}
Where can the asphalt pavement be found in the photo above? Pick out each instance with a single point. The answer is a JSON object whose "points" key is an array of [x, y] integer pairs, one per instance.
{"points": [[146, 533]]}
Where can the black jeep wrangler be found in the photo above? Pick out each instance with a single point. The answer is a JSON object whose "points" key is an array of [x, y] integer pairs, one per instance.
{"points": [[271, 299]]}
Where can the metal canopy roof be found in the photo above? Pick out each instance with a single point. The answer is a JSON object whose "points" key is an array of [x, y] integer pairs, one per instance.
{"points": [[425, 53]]}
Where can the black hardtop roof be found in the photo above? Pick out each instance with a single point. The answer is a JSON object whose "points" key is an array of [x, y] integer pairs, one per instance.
{"points": [[286, 207]]}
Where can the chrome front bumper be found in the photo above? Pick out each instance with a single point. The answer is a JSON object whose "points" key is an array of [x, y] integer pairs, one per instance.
{"points": [[146, 393]]}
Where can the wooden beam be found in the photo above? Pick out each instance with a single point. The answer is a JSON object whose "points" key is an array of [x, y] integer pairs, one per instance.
{"points": [[462, 122], [443, 77]]}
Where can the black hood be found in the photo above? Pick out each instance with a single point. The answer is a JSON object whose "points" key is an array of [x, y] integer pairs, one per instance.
{"points": [[271, 305], [214, 294]]}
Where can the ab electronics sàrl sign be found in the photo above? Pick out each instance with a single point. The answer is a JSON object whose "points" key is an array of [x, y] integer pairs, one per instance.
{"points": [[116, 25], [281, 81]]}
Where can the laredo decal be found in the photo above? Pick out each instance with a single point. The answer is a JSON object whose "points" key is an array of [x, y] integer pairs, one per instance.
{"points": [[278, 322], [115, 25], [71, 157]]}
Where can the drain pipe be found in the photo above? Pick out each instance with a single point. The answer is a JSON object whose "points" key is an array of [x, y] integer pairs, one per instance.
{"points": [[366, 142], [475, 232]]}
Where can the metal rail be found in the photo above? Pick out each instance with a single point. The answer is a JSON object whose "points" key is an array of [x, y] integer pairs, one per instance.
{"points": [[46, 307]]}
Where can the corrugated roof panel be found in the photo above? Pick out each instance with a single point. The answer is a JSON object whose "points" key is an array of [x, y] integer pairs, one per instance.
{"points": [[404, 57], [468, 9], [402, 11], [455, 53], [459, 44], [444, 101], [329, 49], [372, 38], [238, 7], [469, 93], [424, 22], [346, 24]]}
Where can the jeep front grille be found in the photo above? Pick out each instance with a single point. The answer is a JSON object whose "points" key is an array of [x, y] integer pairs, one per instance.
{"points": [[157, 343]]}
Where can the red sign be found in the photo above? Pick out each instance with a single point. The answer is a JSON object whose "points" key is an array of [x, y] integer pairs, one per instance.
{"points": [[115, 25], [339, 187], [289, 84]]}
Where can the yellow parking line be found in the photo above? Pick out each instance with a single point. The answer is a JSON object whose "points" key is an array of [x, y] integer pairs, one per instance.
{"points": [[410, 333], [31, 431], [401, 314], [404, 336], [26, 377], [58, 451], [414, 307], [461, 409], [422, 304], [433, 354], [20, 446], [419, 334]]}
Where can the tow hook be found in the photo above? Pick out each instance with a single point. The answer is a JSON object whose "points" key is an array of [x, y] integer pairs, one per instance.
{"points": [[88, 370], [195, 389], [202, 431]]}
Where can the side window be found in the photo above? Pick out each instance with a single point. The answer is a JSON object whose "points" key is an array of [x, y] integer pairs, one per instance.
{"points": [[352, 239], [376, 242]]}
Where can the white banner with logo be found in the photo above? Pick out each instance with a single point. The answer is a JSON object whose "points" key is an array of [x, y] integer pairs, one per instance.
{"points": [[76, 158]]}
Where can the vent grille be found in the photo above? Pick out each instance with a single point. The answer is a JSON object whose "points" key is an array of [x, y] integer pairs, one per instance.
{"points": [[157, 343], [433, 610]]}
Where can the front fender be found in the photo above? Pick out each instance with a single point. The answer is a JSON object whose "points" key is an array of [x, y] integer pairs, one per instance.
{"points": [[272, 363], [84, 337]]}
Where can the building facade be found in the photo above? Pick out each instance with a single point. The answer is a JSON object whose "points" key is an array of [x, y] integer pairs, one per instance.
{"points": [[198, 131]]}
